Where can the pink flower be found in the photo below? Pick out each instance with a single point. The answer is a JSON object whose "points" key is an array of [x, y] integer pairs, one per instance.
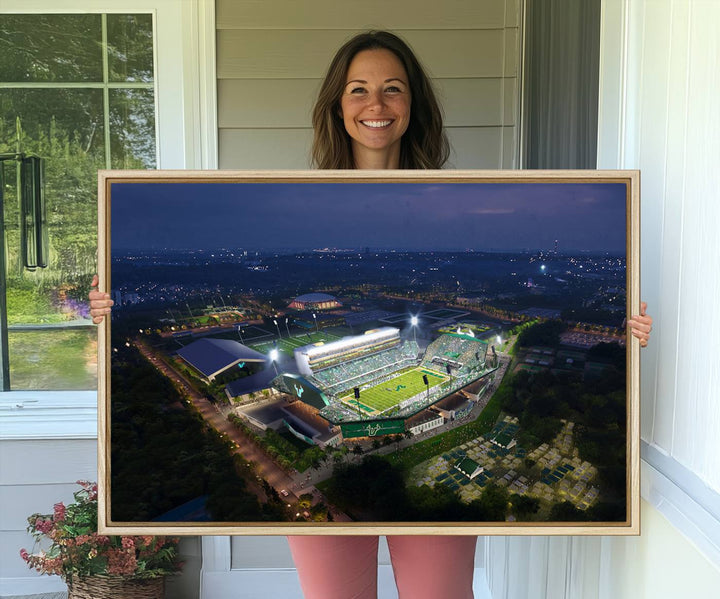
{"points": [[128, 543], [121, 562], [59, 512], [43, 526], [25, 555]]}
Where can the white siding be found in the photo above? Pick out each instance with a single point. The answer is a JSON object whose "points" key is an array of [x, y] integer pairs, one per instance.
{"points": [[660, 81], [669, 127], [271, 57], [34, 475]]}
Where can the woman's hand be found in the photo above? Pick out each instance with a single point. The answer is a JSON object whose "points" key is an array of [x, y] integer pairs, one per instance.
{"points": [[640, 325], [100, 303]]}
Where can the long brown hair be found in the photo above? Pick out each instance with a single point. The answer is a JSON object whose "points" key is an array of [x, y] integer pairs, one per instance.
{"points": [[424, 144]]}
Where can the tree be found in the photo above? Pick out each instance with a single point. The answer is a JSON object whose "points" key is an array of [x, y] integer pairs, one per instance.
{"points": [[566, 512], [66, 127], [305, 500], [494, 502], [523, 506], [319, 512]]}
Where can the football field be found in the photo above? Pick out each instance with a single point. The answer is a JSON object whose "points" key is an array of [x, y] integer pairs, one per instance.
{"points": [[406, 384]]}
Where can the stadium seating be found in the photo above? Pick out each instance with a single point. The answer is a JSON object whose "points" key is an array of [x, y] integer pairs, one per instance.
{"points": [[459, 352], [463, 354], [346, 375]]}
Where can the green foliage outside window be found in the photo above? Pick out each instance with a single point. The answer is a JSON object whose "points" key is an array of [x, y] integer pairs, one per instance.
{"points": [[76, 90]]}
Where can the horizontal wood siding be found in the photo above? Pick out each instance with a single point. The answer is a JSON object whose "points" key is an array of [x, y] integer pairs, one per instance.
{"points": [[287, 103], [353, 14], [271, 57], [306, 54], [35, 475]]}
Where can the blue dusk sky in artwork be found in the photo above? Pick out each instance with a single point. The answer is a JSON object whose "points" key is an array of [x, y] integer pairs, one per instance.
{"points": [[402, 216]]}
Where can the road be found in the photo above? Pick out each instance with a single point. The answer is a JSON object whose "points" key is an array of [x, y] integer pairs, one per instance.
{"points": [[263, 465]]}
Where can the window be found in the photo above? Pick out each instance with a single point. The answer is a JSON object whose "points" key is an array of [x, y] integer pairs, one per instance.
{"points": [[78, 91]]}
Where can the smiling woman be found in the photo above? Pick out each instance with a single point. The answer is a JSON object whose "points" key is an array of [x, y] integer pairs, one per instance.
{"points": [[364, 109], [375, 108]]}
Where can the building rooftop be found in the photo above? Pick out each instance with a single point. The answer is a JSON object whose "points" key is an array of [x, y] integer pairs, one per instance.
{"points": [[212, 356]]}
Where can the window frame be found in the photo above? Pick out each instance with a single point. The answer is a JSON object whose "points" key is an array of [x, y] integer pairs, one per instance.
{"points": [[186, 138]]}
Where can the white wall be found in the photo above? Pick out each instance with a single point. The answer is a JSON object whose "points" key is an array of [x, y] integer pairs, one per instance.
{"points": [[660, 563], [659, 90], [660, 82], [659, 113], [39, 468]]}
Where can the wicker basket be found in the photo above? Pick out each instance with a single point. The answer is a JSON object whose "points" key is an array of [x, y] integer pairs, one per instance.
{"points": [[116, 587]]}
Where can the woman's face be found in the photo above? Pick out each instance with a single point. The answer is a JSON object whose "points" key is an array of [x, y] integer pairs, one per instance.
{"points": [[375, 103]]}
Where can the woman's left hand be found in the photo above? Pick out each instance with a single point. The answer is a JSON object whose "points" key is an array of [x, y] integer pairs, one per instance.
{"points": [[640, 325]]}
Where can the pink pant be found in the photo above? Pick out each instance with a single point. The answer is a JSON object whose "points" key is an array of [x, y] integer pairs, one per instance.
{"points": [[345, 567]]}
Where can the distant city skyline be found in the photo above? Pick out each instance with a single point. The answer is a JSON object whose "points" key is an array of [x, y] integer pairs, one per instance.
{"points": [[513, 217]]}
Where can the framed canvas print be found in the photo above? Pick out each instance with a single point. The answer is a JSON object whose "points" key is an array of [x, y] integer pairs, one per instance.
{"points": [[369, 352]]}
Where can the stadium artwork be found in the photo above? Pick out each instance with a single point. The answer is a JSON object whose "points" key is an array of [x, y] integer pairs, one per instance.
{"points": [[369, 352]]}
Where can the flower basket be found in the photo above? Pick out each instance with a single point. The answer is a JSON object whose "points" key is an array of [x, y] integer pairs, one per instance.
{"points": [[116, 587], [96, 566]]}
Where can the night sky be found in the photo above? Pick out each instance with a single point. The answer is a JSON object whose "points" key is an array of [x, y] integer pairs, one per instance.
{"points": [[402, 216]]}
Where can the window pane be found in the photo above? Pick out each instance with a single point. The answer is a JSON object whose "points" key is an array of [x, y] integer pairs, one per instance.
{"points": [[65, 127], [52, 344], [49, 117], [132, 128], [56, 359], [130, 47], [50, 48]]}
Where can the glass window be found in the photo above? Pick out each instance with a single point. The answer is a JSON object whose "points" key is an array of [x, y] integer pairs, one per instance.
{"points": [[77, 91], [43, 48]]}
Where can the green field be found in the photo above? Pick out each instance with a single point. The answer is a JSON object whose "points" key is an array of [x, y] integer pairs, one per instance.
{"points": [[390, 393], [286, 345]]}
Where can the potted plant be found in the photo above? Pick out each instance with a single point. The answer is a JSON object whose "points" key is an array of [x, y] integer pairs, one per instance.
{"points": [[95, 566]]}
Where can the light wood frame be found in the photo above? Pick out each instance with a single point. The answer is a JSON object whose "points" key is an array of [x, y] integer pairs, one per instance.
{"points": [[631, 526]]}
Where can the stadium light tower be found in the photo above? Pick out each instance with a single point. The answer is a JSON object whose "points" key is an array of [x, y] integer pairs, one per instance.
{"points": [[413, 324], [277, 327], [317, 330], [240, 331], [274, 355], [287, 328]]}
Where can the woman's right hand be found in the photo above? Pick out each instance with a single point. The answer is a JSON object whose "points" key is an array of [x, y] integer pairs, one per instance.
{"points": [[100, 303]]}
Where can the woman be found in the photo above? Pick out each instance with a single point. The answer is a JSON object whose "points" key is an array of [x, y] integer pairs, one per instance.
{"points": [[377, 110]]}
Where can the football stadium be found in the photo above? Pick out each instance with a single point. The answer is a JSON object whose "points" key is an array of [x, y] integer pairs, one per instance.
{"points": [[370, 384]]}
